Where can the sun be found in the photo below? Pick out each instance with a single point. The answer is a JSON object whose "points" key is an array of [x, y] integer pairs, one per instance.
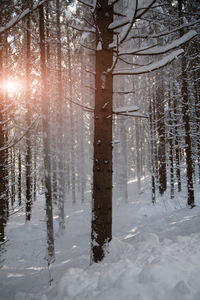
{"points": [[12, 86]]}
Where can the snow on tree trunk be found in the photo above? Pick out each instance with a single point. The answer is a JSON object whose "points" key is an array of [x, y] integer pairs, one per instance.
{"points": [[46, 142], [28, 157], [186, 119], [162, 175]]}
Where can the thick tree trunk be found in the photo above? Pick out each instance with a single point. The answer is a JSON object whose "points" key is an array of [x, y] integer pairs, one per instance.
{"points": [[102, 170]]}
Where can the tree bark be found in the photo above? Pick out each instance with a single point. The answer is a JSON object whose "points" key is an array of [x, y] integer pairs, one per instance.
{"points": [[61, 169], [3, 188], [171, 146], [73, 179], [177, 152], [19, 179], [28, 157], [152, 154], [46, 141], [102, 169], [162, 175], [186, 119]]}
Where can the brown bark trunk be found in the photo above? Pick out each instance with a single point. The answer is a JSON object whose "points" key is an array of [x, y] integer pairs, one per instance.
{"points": [[61, 169], [102, 168], [73, 179], [186, 120], [2, 160], [28, 119], [162, 175], [46, 142]]}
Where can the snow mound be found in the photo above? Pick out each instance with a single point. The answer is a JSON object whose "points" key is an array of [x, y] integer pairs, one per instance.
{"points": [[147, 269]]}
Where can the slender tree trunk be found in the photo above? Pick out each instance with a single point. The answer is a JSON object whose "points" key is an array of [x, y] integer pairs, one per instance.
{"points": [[12, 175], [46, 142], [196, 81], [61, 164], [28, 118], [154, 129], [186, 119], [35, 172], [73, 179], [19, 179], [138, 161], [2, 177], [177, 152], [162, 175], [102, 170], [3, 188], [123, 176], [152, 160], [171, 146], [82, 134], [54, 133]]}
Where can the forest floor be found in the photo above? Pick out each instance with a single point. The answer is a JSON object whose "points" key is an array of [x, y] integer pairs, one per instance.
{"points": [[154, 254]]}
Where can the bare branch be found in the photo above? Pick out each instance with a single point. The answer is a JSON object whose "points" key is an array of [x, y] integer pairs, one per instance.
{"points": [[15, 141], [81, 105], [113, 2], [134, 114], [84, 29], [87, 47], [124, 92], [126, 109], [86, 3]]}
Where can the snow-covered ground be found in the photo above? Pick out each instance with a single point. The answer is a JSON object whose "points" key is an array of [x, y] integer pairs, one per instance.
{"points": [[154, 254]]}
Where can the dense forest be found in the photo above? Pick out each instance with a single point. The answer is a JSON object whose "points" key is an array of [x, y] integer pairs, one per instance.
{"points": [[95, 93]]}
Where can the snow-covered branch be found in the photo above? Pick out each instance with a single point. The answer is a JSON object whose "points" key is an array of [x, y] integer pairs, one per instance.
{"points": [[129, 111], [14, 140], [126, 109], [134, 114], [82, 29], [136, 9], [153, 66], [157, 50], [163, 33], [20, 17]]}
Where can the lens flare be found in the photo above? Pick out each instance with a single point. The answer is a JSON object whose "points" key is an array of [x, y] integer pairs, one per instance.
{"points": [[12, 86]]}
